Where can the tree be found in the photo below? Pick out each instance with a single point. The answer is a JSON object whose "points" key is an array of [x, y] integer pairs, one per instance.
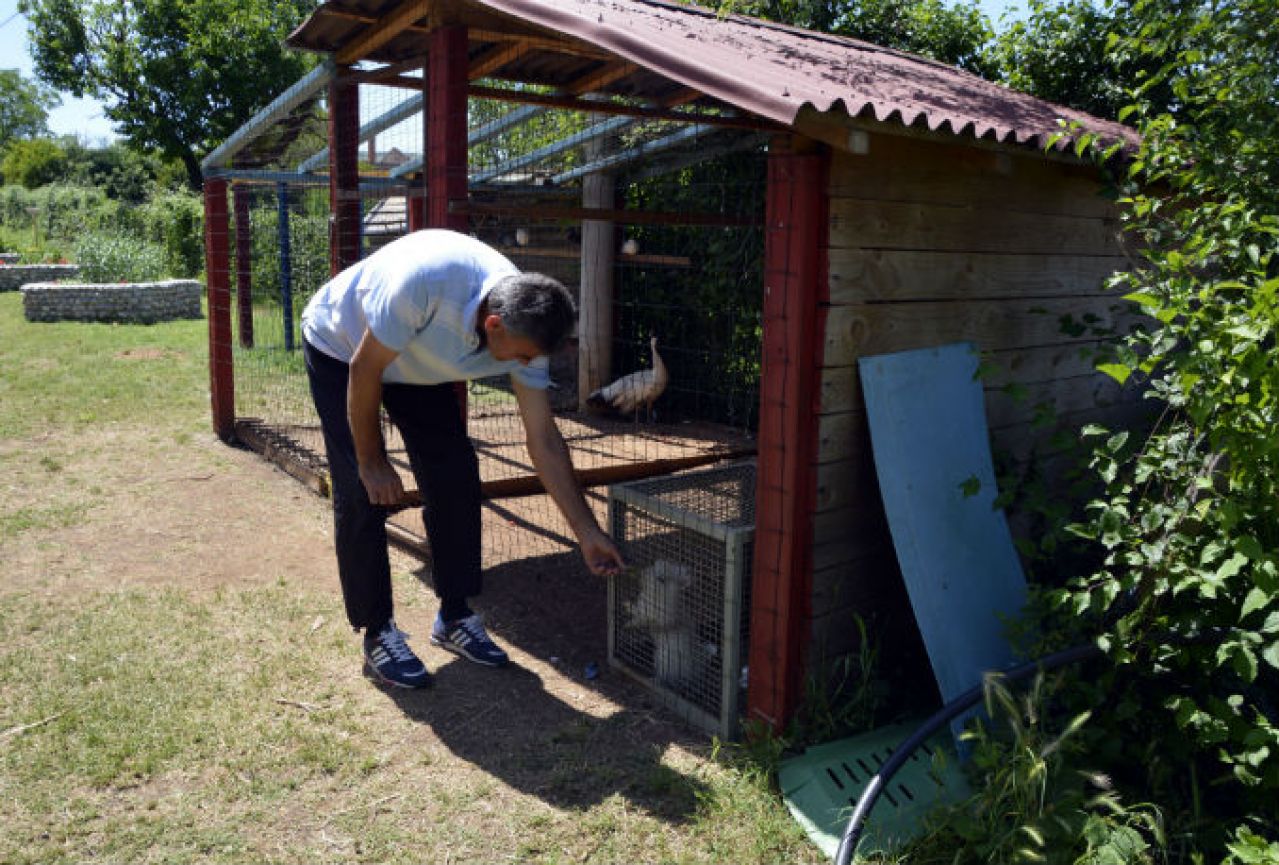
{"points": [[1062, 52], [33, 162], [24, 107], [120, 171], [177, 76], [952, 34]]}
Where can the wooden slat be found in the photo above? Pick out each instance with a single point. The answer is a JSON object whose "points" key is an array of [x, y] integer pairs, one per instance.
{"points": [[495, 58], [681, 97], [387, 28], [600, 78], [572, 103], [540, 43], [854, 331], [848, 483], [917, 171], [623, 217], [1065, 396], [841, 386], [859, 224], [859, 275], [531, 485]]}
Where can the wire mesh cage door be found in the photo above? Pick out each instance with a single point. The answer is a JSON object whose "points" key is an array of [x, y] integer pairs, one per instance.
{"points": [[677, 618]]}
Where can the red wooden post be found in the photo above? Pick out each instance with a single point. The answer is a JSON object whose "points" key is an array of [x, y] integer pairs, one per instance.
{"points": [[446, 127], [243, 266], [344, 172], [795, 298], [217, 267], [415, 201], [446, 149]]}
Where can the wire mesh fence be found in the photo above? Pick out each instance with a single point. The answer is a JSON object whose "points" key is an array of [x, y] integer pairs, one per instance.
{"points": [[679, 617], [653, 224]]}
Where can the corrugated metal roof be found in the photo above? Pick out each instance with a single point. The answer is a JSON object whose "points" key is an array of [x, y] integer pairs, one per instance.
{"points": [[764, 68]]}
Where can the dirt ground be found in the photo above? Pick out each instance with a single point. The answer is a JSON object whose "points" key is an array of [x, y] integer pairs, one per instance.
{"points": [[151, 509]]}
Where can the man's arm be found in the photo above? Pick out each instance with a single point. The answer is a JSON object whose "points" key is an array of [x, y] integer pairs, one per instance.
{"points": [[364, 413], [555, 468]]}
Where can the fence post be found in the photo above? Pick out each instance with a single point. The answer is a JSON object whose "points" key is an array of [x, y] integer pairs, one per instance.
{"points": [[344, 171], [217, 267], [286, 263], [795, 296], [446, 147], [243, 265]]}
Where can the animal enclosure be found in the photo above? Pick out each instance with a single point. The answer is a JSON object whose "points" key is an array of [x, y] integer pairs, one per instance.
{"points": [[768, 204], [663, 373], [679, 619]]}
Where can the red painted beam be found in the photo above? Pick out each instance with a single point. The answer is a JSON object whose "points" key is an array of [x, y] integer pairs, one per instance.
{"points": [[344, 172], [446, 127], [243, 266], [795, 297], [217, 240], [446, 148]]}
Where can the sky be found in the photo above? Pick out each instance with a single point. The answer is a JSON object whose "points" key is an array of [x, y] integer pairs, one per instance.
{"points": [[84, 118]]}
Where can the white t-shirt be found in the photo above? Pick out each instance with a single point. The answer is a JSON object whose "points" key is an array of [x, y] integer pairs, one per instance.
{"points": [[419, 295]]}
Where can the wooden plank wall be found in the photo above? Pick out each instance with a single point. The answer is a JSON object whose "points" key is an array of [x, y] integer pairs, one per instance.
{"points": [[932, 243]]}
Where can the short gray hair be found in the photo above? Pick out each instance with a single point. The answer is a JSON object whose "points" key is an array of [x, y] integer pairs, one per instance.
{"points": [[536, 307]]}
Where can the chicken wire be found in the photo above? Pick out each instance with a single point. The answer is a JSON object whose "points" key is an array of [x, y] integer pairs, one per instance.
{"points": [[679, 615], [683, 258]]}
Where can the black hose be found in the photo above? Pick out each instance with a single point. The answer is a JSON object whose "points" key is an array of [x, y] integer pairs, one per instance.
{"points": [[966, 700]]}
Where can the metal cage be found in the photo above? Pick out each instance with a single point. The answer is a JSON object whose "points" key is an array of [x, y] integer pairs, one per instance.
{"points": [[678, 617]]}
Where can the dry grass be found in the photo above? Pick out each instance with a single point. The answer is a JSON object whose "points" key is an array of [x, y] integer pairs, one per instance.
{"points": [[177, 682]]}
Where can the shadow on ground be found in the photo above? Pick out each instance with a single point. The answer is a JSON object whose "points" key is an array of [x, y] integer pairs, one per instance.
{"points": [[567, 747]]}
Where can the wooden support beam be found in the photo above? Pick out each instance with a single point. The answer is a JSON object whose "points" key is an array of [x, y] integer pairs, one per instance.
{"points": [[383, 31], [600, 78], [495, 58], [393, 71], [217, 242], [344, 174], [531, 485], [623, 217], [542, 43], [682, 97], [732, 121], [786, 492]]}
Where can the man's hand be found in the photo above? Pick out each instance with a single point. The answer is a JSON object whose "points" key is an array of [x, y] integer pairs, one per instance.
{"points": [[382, 482], [601, 554]]}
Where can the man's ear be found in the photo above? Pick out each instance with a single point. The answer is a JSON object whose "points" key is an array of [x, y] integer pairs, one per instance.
{"points": [[493, 323]]}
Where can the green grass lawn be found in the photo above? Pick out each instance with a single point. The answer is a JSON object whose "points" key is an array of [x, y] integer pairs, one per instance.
{"points": [[230, 724]]}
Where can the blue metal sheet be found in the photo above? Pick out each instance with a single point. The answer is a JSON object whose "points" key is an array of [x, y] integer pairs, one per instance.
{"points": [[932, 455]]}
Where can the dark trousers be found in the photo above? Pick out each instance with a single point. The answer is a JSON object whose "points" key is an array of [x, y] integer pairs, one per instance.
{"points": [[447, 474]]}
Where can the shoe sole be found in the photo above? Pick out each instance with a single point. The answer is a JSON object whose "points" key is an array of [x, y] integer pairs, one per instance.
{"points": [[462, 653], [372, 672]]}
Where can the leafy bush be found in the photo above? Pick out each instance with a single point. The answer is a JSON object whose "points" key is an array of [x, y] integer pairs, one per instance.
{"points": [[1034, 802], [174, 220], [1185, 528], [33, 162], [109, 258]]}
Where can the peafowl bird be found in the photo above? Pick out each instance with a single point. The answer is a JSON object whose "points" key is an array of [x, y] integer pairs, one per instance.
{"points": [[631, 392]]}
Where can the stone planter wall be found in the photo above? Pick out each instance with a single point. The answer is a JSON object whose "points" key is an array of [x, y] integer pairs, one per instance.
{"points": [[138, 302], [14, 276]]}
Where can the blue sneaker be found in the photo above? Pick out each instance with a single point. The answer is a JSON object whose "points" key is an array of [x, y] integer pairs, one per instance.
{"points": [[390, 660], [467, 637]]}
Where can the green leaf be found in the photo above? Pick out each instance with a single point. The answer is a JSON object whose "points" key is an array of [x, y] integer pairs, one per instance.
{"points": [[1232, 566], [1271, 654], [1117, 371], [970, 486], [1256, 600]]}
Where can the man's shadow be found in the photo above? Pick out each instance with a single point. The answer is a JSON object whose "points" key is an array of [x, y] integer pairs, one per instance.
{"points": [[506, 722]]}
